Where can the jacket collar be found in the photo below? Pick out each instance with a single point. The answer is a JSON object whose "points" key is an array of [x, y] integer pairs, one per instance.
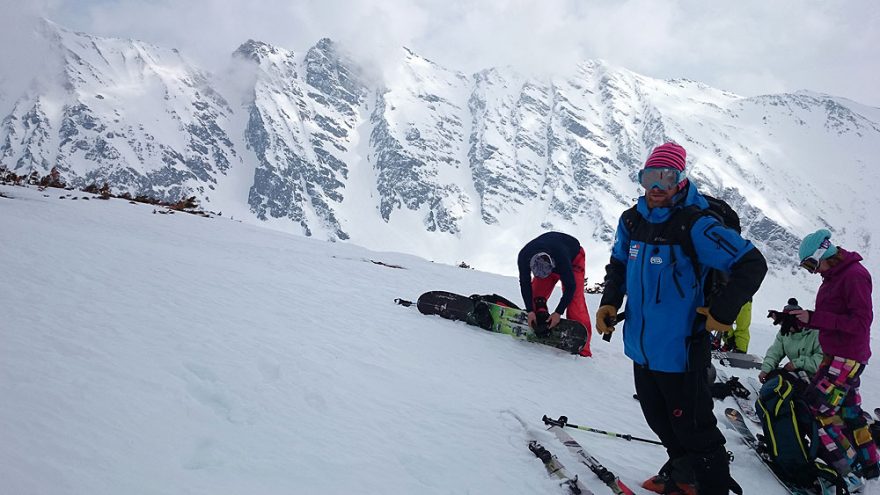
{"points": [[686, 197], [849, 258]]}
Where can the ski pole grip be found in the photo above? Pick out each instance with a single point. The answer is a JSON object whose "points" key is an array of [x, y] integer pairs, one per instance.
{"points": [[620, 317], [555, 422]]}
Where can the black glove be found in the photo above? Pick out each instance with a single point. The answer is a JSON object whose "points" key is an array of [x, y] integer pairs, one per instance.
{"points": [[776, 316], [790, 324], [738, 389], [731, 387]]}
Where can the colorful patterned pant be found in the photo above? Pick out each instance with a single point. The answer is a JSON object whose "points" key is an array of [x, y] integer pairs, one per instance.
{"points": [[837, 405]]}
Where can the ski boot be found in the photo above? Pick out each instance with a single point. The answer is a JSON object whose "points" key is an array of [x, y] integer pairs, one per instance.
{"points": [[675, 477]]}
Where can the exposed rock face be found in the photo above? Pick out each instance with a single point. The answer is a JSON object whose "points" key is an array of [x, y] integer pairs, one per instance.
{"points": [[461, 154]]}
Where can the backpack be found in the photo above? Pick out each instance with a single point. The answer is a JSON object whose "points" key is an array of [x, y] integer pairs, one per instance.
{"points": [[724, 213], [716, 280], [680, 225], [481, 315], [791, 442]]}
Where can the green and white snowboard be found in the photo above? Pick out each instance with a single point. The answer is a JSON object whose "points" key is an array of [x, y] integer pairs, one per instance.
{"points": [[568, 335]]}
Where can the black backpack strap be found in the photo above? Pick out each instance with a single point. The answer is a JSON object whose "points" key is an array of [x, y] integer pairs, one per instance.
{"points": [[632, 219], [681, 224]]}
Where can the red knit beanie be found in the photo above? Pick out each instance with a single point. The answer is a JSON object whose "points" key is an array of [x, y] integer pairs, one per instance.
{"points": [[669, 155]]}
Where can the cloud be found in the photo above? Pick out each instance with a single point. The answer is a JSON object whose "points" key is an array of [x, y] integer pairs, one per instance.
{"points": [[24, 54], [749, 47]]}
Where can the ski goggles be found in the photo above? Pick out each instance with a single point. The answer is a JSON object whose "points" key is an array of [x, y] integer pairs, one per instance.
{"points": [[661, 178], [811, 262]]}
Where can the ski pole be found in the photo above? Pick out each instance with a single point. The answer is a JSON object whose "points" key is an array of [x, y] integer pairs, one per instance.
{"points": [[620, 317], [403, 302], [563, 422]]}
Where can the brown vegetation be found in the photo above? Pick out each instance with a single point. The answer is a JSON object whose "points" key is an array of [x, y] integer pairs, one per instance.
{"points": [[53, 179]]}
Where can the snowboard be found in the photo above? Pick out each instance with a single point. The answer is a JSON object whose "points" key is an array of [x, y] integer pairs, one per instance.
{"points": [[568, 335], [446, 305], [738, 360]]}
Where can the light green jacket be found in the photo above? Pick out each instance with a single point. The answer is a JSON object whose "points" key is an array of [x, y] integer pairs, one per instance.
{"points": [[801, 348]]}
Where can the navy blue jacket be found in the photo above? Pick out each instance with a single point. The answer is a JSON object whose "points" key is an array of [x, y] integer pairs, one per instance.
{"points": [[662, 287], [563, 248]]}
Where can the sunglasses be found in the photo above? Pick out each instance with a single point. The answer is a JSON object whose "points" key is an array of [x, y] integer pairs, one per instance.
{"points": [[661, 178], [811, 262]]}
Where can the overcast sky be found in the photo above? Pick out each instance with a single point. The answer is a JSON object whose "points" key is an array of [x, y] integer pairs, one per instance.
{"points": [[746, 46]]}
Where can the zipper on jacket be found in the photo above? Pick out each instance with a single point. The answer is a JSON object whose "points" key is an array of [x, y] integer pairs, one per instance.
{"points": [[724, 244], [677, 284], [674, 272], [642, 287], [659, 278]]}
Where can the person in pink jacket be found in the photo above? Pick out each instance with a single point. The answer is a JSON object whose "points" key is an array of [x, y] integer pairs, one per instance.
{"points": [[843, 316]]}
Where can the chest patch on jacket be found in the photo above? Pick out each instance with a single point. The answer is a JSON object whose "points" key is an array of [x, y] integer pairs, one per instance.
{"points": [[633, 251], [656, 260]]}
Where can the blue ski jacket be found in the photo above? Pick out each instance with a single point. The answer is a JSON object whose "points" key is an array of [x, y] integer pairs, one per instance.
{"points": [[662, 286]]}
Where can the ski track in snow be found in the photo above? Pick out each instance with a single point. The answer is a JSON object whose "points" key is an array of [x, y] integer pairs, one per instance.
{"points": [[170, 354]]}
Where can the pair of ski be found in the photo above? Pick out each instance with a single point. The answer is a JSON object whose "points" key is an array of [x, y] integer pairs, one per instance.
{"points": [[555, 468], [738, 423], [735, 419]]}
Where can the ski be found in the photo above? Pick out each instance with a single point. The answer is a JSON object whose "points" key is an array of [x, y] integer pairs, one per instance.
{"points": [[607, 477], [737, 359], [742, 398], [755, 385], [736, 421], [555, 468]]}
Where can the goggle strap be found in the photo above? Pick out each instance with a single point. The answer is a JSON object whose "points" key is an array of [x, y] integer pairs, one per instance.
{"points": [[811, 263]]}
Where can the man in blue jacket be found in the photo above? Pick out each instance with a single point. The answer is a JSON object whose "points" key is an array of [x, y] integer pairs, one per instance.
{"points": [[664, 248]]}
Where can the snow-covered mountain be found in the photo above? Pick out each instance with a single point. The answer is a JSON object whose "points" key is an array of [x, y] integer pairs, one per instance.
{"points": [[137, 116], [431, 161]]}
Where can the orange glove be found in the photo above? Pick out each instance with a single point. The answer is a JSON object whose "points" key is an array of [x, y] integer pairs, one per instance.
{"points": [[607, 311], [712, 324]]}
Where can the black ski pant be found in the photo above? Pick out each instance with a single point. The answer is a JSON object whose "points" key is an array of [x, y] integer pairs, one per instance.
{"points": [[678, 408]]}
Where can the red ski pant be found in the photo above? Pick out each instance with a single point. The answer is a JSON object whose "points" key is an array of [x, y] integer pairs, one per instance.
{"points": [[577, 310]]}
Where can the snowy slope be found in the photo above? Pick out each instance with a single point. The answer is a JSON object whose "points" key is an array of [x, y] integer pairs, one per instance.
{"points": [[166, 354]]}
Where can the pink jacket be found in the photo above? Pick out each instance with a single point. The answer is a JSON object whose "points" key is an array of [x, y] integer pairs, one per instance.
{"points": [[844, 311]]}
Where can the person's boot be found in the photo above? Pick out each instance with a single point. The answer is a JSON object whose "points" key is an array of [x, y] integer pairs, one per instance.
{"points": [[712, 472], [662, 483], [675, 477]]}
